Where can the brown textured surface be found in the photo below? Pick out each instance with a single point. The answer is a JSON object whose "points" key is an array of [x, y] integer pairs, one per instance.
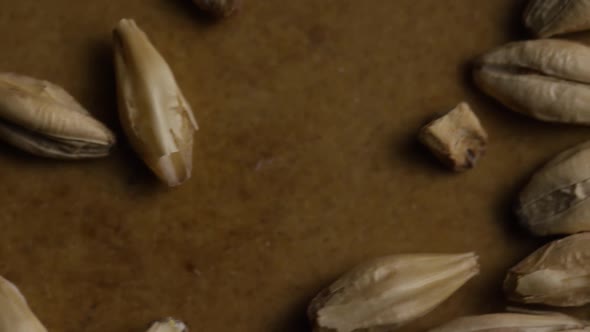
{"points": [[306, 161]]}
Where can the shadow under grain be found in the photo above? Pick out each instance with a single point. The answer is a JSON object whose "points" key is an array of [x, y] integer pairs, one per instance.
{"points": [[190, 11], [419, 156], [294, 321], [514, 25], [504, 208], [101, 94]]}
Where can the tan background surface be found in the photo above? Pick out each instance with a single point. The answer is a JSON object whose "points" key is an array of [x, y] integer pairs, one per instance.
{"points": [[306, 163]]}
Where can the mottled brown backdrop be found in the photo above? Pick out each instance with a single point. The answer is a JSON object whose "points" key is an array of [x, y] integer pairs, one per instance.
{"points": [[305, 165]]}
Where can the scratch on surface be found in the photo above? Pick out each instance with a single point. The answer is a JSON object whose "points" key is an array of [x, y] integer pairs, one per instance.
{"points": [[263, 163]]}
